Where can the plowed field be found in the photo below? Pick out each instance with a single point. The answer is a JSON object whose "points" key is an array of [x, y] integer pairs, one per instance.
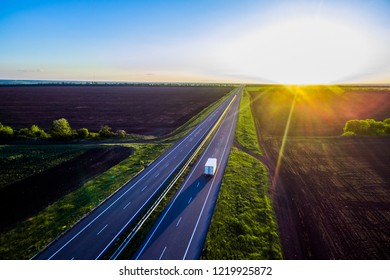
{"points": [[331, 194], [146, 110]]}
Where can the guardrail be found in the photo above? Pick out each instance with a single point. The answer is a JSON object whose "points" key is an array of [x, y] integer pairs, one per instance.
{"points": [[138, 226]]}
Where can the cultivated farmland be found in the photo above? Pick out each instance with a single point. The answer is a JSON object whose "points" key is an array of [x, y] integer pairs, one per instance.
{"points": [[146, 110], [331, 194]]}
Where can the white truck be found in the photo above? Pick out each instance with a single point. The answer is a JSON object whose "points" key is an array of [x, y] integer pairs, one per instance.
{"points": [[210, 167]]}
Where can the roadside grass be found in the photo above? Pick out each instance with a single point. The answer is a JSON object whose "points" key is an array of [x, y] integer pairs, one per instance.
{"points": [[246, 131], [21, 161], [32, 235], [243, 225], [129, 251], [195, 120]]}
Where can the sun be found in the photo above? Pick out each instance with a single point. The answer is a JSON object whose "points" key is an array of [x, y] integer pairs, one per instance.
{"points": [[307, 51]]}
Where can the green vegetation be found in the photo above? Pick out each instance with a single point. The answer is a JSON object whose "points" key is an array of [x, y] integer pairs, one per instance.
{"points": [[246, 131], [21, 161], [243, 225], [366, 127], [32, 235], [106, 132], [6, 132], [60, 130]]}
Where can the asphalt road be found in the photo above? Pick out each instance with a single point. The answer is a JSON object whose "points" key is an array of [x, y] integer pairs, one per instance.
{"points": [[92, 236], [181, 230]]}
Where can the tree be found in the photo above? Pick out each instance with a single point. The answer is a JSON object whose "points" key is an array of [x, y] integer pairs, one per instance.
{"points": [[375, 128], [23, 133], [36, 132], [6, 132], [60, 129], [356, 126], [106, 132], [82, 133], [120, 133]]}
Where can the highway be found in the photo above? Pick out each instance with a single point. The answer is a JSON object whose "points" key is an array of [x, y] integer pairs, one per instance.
{"points": [[181, 230], [91, 237]]}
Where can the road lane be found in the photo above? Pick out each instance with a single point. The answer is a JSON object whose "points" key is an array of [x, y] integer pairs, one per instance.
{"points": [[180, 231], [121, 209]]}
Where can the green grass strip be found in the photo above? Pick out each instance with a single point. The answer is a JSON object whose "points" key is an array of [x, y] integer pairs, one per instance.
{"points": [[32, 235], [243, 225], [246, 131]]}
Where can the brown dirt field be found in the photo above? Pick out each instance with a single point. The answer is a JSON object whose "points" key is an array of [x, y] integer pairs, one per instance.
{"points": [[147, 110], [319, 111], [332, 197], [26, 197], [332, 194]]}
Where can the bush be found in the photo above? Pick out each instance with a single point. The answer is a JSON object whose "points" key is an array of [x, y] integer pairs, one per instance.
{"points": [[82, 133], [60, 129], [366, 127], [349, 133], [6, 132], [357, 127], [375, 128], [120, 133], [106, 132], [36, 132]]}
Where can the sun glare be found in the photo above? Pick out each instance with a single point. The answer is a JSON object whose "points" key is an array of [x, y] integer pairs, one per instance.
{"points": [[307, 51]]}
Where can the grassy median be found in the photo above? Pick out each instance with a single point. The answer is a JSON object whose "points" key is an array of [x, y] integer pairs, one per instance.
{"points": [[246, 131], [243, 225], [32, 235]]}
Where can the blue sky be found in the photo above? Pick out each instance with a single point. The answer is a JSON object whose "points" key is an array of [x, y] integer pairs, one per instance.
{"points": [[243, 41]]}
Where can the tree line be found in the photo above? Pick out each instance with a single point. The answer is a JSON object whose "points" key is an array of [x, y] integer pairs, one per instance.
{"points": [[367, 127], [59, 130]]}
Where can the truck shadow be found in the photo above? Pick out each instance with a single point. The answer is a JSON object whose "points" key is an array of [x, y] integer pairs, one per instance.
{"points": [[170, 218]]}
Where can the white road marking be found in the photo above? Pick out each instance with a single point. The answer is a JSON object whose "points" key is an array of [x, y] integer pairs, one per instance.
{"points": [[134, 184], [102, 230], [157, 175], [208, 194], [126, 205], [177, 195], [178, 222], [144, 188], [198, 184], [163, 253], [189, 201], [72, 259], [166, 165]]}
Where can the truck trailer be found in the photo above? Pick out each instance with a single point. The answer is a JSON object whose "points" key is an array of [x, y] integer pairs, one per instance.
{"points": [[210, 167]]}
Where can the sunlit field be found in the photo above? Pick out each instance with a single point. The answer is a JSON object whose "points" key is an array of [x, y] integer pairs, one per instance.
{"points": [[330, 192]]}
